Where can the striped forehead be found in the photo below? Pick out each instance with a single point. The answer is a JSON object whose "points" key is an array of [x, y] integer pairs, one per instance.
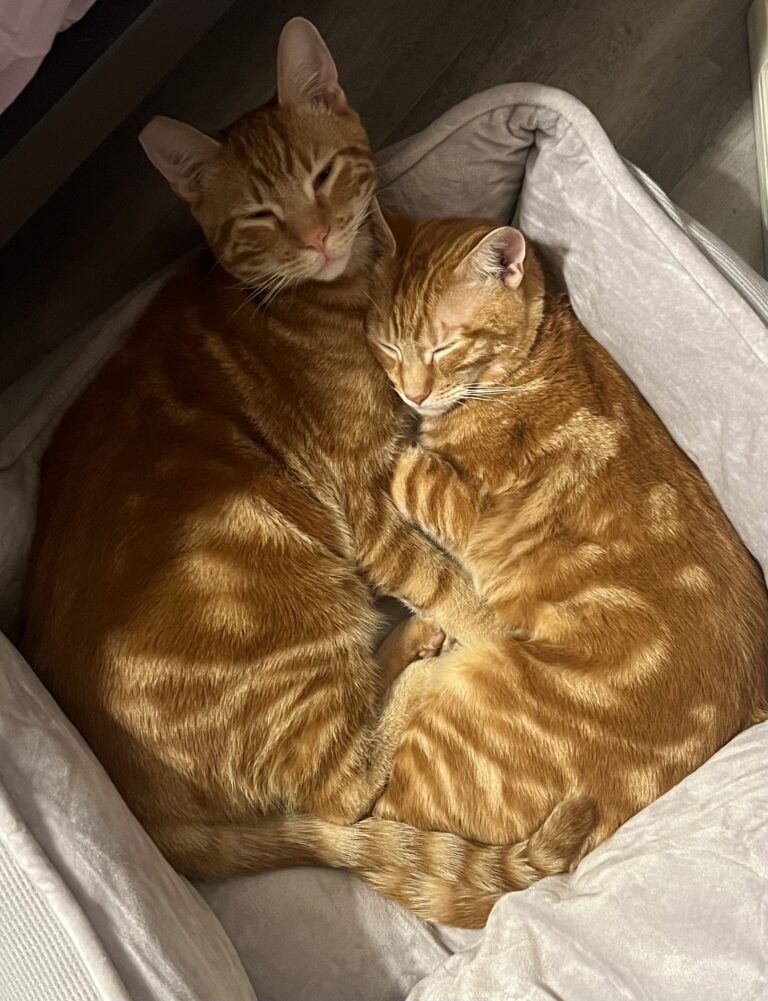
{"points": [[271, 150], [275, 148], [422, 281], [427, 266]]}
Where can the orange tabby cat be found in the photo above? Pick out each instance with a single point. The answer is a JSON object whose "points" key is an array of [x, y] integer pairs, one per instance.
{"points": [[640, 621], [214, 504]]}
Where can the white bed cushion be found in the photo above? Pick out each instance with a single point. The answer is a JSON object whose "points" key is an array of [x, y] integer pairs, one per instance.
{"points": [[674, 905]]}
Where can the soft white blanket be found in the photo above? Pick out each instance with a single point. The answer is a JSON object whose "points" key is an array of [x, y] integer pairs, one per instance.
{"points": [[675, 905]]}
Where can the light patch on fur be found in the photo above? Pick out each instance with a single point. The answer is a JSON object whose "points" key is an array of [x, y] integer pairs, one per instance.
{"points": [[490, 778], [687, 749], [645, 660], [536, 732], [594, 437], [704, 715], [641, 784], [609, 596], [584, 557], [506, 587], [228, 616], [586, 443], [212, 572], [240, 516], [561, 621], [447, 784], [651, 656], [561, 481], [554, 622], [621, 549], [455, 676], [663, 511], [694, 578]]}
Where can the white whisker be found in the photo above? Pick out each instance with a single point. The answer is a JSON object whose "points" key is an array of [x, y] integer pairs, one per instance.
{"points": [[478, 391]]}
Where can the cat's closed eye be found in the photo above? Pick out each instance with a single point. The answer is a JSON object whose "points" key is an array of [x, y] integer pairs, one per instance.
{"points": [[261, 215], [443, 349], [319, 179], [391, 349]]}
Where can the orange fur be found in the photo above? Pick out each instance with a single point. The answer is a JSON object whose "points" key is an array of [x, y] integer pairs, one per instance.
{"points": [[215, 505], [639, 621]]}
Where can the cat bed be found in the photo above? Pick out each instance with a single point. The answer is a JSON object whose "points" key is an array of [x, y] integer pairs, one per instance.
{"points": [[672, 906]]}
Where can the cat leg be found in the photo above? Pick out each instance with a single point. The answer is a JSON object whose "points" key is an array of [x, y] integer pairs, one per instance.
{"points": [[407, 676], [400, 560], [427, 489], [347, 792]]}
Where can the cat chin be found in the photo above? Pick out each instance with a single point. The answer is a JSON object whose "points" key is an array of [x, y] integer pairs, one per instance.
{"points": [[432, 411], [331, 269]]}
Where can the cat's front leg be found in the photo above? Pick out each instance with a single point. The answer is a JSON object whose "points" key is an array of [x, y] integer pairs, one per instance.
{"points": [[429, 491], [400, 560]]}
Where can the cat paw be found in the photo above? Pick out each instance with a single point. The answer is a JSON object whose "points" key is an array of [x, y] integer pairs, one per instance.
{"points": [[433, 646], [414, 640]]}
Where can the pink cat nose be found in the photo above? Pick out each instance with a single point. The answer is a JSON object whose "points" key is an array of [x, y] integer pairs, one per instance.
{"points": [[418, 398], [316, 240]]}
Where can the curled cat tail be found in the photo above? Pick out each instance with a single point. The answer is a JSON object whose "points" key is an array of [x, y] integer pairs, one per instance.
{"points": [[450, 880], [441, 877]]}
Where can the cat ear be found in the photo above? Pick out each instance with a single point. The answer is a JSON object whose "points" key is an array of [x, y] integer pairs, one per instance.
{"points": [[377, 316], [306, 72], [498, 256], [384, 230], [180, 153]]}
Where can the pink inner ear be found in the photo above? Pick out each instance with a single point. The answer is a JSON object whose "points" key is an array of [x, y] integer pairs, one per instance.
{"points": [[306, 72], [498, 256], [514, 246], [512, 252], [332, 97]]}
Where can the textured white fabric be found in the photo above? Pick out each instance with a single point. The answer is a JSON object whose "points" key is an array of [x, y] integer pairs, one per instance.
{"points": [[321, 935], [737, 272], [674, 905], [27, 31], [48, 950], [83, 881]]}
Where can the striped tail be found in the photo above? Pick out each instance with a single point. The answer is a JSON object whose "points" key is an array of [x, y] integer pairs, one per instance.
{"points": [[441, 877]]}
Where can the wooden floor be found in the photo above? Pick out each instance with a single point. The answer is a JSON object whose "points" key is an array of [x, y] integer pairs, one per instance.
{"points": [[668, 79]]}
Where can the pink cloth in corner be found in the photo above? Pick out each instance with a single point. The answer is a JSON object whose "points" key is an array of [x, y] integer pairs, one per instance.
{"points": [[27, 31]]}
